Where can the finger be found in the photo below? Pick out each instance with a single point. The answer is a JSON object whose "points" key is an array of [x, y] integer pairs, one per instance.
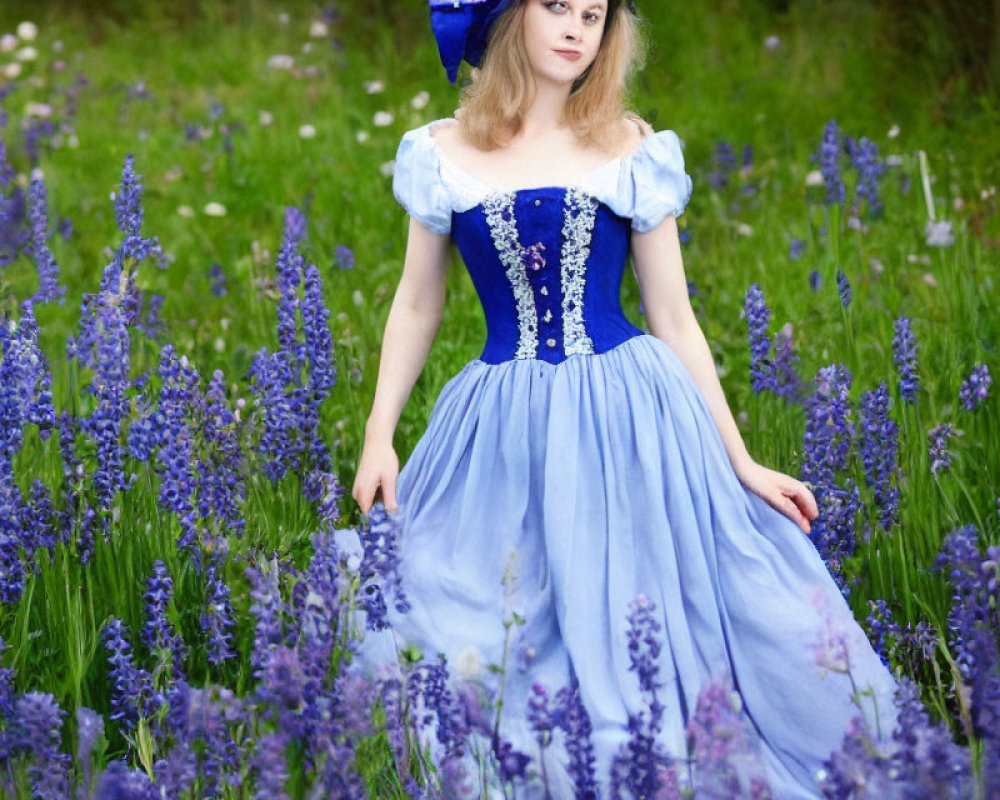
{"points": [[791, 510], [799, 494], [389, 492]]}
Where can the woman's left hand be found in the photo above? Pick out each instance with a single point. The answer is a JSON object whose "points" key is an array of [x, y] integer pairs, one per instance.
{"points": [[788, 495]]}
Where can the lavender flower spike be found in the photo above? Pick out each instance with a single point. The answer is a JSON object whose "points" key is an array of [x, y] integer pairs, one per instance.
{"points": [[48, 271], [976, 387], [904, 355]]}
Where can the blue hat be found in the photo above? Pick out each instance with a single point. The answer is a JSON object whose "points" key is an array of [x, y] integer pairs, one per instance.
{"points": [[463, 28]]}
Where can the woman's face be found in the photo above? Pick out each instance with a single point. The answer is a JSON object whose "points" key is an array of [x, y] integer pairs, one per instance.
{"points": [[555, 28]]}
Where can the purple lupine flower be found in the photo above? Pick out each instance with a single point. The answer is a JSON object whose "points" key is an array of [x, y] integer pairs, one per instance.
{"points": [[217, 621], [726, 762], [635, 764], [758, 318], [932, 763], [511, 763], [153, 325], [826, 447], [796, 249], [118, 782], [917, 642], [35, 132], [856, 766], [65, 228], [48, 271], [579, 742], [90, 728], [725, 163], [159, 634], [879, 447], [179, 399], [218, 277], [883, 630], [976, 387], [6, 692], [974, 605], [315, 316], [270, 766], [785, 380], [37, 732], [904, 355], [844, 288], [345, 257], [222, 489], [128, 200], [379, 569], [110, 384], [815, 280], [267, 608], [829, 158], [940, 436], [428, 688], [865, 159]]}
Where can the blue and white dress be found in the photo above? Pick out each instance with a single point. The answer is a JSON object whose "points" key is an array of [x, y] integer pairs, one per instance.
{"points": [[578, 452]]}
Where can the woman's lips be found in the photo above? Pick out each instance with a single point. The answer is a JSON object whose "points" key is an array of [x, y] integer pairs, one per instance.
{"points": [[572, 55]]}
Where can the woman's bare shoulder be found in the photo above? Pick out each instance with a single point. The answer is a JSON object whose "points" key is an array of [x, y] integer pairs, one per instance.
{"points": [[634, 130]]}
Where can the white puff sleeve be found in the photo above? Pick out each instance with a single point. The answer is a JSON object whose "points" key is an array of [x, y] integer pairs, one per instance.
{"points": [[655, 185], [416, 181]]}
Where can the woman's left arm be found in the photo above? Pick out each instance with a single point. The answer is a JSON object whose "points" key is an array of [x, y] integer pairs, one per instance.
{"points": [[659, 269]]}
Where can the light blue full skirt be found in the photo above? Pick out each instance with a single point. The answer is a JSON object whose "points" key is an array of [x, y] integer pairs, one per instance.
{"points": [[593, 481]]}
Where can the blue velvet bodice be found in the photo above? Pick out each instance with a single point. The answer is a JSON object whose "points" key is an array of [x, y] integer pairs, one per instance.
{"points": [[547, 264]]}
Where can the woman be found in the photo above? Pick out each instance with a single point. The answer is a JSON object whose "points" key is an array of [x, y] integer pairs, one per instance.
{"points": [[597, 462]]}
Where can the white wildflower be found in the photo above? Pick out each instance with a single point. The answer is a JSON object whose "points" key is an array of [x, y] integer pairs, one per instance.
{"points": [[26, 54], [283, 18], [929, 279], [361, 136], [382, 119], [265, 117], [772, 42], [214, 209], [895, 160], [281, 61], [893, 132], [7, 42], [185, 211], [57, 46], [387, 169], [27, 31], [219, 344], [420, 100], [744, 230], [939, 234], [73, 141], [307, 47], [318, 29], [33, 109], [11, 70], [374, 87], [814, 178], [358, 298], [469, 663], [307, 131]]}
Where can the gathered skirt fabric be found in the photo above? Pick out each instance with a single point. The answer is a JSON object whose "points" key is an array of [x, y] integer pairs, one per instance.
{"points": [[590, 482]]}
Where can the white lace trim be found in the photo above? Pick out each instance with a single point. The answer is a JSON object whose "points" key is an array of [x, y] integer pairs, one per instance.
{"points": [[499, 211], [578, 225]]}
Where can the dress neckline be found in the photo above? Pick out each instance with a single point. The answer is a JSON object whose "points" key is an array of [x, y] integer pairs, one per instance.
{"points": [[491, 190]]}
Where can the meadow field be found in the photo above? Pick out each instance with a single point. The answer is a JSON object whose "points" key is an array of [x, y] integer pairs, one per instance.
{"points": [[199, 246]]}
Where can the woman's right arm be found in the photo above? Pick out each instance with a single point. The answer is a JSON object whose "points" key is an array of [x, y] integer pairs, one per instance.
{"points": [[413, 322]]}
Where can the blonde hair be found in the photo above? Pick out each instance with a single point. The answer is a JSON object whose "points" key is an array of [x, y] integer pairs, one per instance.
{"points": [[492, 106]]}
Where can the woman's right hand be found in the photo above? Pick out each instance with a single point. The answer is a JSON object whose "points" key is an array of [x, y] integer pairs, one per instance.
{"points": [[377, 473]]}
